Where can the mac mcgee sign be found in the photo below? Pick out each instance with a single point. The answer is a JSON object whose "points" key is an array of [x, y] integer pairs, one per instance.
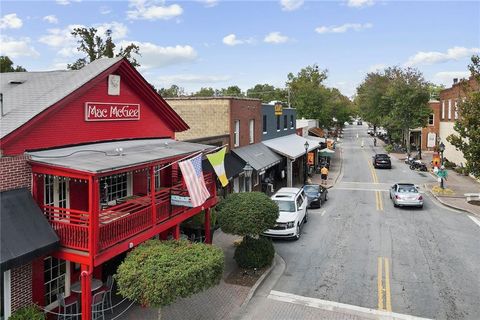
{"points": [[98, 111]]}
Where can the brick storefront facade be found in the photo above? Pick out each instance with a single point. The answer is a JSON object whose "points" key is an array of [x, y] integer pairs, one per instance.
{"points": [[15, 173], [432, 127], [21, 286]]}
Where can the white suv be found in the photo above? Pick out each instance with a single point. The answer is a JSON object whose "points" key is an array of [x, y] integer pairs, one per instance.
{"points": [[292, 203]]}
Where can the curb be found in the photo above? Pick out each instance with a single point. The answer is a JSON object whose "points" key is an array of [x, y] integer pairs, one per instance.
{"points": [[258, 283], [339, 171], [448, 205]]}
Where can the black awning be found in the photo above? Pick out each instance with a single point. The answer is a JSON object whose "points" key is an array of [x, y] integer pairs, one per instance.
{"points": [[233, 165], [25, 232]]}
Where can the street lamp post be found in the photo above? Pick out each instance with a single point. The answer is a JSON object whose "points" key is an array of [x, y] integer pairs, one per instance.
{"points": [[248, 169], [441, 147], [306, 145]]}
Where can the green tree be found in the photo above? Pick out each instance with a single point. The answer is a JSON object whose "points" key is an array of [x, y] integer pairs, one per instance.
{"points": [[308, 94], [407, 99], [267, 93], [248, 214], [156, 273], [205, 92], [172, 92], [369, 98], [341, 107], [435, 90], [232, 91], [467, 127], [6, 65], [96, 47]]}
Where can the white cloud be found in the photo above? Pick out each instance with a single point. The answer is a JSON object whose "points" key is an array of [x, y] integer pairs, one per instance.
{"points": [[432, 57], [359, 3], [149, 10], [231, 40], [105, 10], [377, 67], [10, 21], [51, 19], [66, 2], [154, 56], [192, 78], [446, 77], [210, 3], [65, 43], [16, 47], [290, 5], [275, 37], [343, 28]]}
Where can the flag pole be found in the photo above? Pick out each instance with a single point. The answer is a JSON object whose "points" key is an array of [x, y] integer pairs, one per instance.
{"points": [[192, 155]]}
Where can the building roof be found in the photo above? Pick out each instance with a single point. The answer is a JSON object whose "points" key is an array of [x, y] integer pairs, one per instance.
{"points": [[104, 157], [27, 94], [258, 156], [25, 232], [291, 146]]}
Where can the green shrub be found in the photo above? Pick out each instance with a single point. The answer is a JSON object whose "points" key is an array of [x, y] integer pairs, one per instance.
{"points": [[449, 164], [156, 273], [198, 220], [388, 148], [247, 213], [254, 253], [28, 313]]}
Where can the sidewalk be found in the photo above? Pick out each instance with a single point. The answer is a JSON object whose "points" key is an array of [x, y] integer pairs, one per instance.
{"points": [[336, 163], [219, 302]]}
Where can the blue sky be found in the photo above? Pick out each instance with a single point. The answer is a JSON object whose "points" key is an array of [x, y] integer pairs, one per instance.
{"points": [[209, 43]]}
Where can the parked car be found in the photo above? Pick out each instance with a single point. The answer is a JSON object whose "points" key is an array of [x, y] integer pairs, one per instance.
{"points": [[359, 122], [406, 194], [370, 131], [292, 204], [381, 160], [316, 195]]}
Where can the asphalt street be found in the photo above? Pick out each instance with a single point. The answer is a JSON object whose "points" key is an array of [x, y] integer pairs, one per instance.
{"points": [[360, 250]]}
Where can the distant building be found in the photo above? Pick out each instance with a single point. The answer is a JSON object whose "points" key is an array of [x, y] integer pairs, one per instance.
{"points": [[430, 133]]}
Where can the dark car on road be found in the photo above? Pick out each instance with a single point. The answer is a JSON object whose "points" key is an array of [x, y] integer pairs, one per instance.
{"points": [[381, 160], [316, 195]]}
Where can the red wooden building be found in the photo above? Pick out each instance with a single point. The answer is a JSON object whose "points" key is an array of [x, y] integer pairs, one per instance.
{"points": [[96, 148]]}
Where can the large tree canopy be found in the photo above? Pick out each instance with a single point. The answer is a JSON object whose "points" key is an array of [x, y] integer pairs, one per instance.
{"points": [[6, 65], [267, 93], [95, 47], [467, 127], [156, 273]]}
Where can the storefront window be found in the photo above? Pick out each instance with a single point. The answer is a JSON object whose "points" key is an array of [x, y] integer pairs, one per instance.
{"points": [[115, 187], [157, 179]]}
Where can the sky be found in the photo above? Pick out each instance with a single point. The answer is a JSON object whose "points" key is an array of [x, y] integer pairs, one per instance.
{"points": [[215, 43]]}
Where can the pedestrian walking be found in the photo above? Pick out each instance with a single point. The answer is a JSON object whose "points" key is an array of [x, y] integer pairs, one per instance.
{"points": [[362, 143], [324, 174], [374, 142]]}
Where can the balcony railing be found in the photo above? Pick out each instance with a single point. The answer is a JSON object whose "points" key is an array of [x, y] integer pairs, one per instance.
{"points": [[120, 222]]}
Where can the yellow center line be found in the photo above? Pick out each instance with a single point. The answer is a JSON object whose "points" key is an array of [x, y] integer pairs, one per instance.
{"points": [[384, 296], [387, 286], [379, 284], [376, 200]]}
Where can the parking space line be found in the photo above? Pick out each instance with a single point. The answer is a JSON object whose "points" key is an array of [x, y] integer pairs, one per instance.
{"points": [[323, 212], [477, 221]]}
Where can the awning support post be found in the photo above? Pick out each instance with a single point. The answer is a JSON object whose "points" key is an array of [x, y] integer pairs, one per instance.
{"points": [[86, 280], [152, 195], [289, 173]]}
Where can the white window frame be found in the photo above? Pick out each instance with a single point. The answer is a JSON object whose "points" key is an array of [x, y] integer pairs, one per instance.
{"points": [[7, 294], [285, 122], [449, 109], [455, 111], [67, 275], [443, 109], [157, 179], [264, 124], [251, 127], [54, 197], [129, 190], [291, 122], [433, 119], [236, 133], [278, 123]]}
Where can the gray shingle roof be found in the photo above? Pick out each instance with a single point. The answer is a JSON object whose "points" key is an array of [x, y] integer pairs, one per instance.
{"points": [[39, 90], [258, 156]]}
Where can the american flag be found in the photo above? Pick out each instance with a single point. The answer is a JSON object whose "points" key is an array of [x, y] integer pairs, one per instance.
{"points": [[193, 176]]}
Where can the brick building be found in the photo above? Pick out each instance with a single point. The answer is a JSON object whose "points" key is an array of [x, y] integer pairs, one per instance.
{"points": [[449, 99], [430, 133], [89, 165]]}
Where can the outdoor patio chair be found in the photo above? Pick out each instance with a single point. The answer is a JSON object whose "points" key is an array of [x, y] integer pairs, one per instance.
{"points": [[108, 288], [67, 309], [98, 301]]}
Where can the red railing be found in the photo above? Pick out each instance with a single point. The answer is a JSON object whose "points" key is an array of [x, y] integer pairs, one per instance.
{"points": [[120, 222], [70, 225]]}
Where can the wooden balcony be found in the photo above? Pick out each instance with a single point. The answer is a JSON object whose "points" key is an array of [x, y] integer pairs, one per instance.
{"points": [[120, 222]]}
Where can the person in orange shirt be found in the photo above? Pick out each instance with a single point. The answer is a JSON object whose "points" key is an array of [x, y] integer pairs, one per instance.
{"points": [[324, 174]]}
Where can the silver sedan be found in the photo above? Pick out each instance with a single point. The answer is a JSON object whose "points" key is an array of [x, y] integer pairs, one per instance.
{"points": [[406, 194]]}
